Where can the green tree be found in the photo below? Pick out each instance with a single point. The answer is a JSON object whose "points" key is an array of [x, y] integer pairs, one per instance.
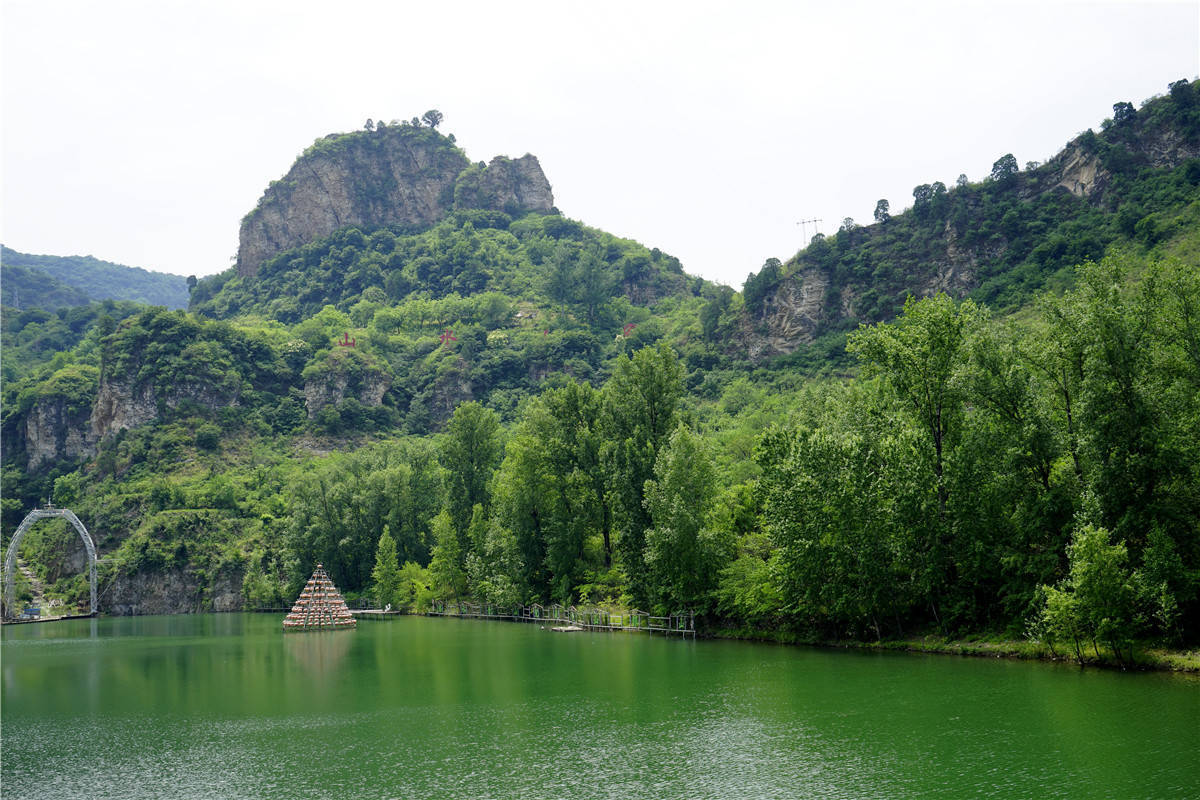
{"points": [[432, 118], [684, 549], [844, 501], [339, 505], [552, 493], [640, 403], [595, 282], [522, 486], [1005, 169], [387, 571], [415, 583], [1097, 601], [759, 286], [881, 211], [559, 282], [1012, 494], [495, 573], [922, 195], [713, 312], [919, 355], [445, 569], [470, 453], [748, 589], [1123, 113]]}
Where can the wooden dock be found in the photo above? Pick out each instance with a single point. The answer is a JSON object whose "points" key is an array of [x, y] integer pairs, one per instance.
{"points": [[375, 613], [592, 618], [30, 620]]}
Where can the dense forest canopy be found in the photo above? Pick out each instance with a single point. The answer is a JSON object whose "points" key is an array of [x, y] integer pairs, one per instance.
{"points": [[519, 408]]}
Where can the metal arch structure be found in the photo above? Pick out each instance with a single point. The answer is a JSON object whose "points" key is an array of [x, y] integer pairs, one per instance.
{"points": [[10, 558]]}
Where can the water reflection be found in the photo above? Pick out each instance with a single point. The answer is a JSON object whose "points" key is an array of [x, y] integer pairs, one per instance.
{"points": [[321, 653], [230, 706]]}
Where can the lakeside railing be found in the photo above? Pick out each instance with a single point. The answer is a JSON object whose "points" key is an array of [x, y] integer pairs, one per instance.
{"points": [[592, 618]]}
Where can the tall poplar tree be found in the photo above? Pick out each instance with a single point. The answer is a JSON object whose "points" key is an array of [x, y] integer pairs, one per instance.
{"points": [[387, 570], [640, 405], [684, 550], [470, 454]]}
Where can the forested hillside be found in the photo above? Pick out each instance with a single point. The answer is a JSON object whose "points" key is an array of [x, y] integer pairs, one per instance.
{"points": [[28, 279], [523, 409], [999, 241], [32, 288]]}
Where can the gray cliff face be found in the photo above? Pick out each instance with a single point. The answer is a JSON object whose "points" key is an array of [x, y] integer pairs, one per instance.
{"points": [[402, 176], [333, 389], [172, 591], [344, 374], [518, 182], [122, 405], [789, 318], [53, 432], [1081, 173], [505, 184], [801, 307], [452, 388]]}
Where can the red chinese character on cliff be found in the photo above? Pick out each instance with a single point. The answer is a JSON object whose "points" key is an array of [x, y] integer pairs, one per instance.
{"points": [[448, 337], [346, 341], [628, 329]]}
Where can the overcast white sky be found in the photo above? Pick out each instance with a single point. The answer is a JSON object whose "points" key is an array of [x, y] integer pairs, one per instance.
{"points": [[140, 131]]}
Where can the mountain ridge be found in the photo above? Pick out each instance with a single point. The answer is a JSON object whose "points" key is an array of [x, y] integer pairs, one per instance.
{"points": [[998, 241], [404, 175], [95, 279]]}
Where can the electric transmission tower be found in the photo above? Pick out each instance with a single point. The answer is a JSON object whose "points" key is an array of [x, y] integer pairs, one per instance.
{"points": [[803, 225]]}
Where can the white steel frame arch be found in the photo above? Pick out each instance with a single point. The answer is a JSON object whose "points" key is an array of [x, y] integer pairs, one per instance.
{"points": [[10, 559]]}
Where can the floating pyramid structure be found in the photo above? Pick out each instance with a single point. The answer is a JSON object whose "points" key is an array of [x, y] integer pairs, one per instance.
{"points": [[320, 607]]}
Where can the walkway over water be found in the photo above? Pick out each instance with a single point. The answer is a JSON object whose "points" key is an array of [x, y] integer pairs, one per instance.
{"points": [[592, 618]]}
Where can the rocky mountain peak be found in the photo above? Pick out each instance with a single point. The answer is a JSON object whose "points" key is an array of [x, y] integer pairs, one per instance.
{"points": [[398, 175]]}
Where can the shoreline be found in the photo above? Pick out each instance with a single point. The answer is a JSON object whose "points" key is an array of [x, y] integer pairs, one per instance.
{"points": [[1149, 659]]}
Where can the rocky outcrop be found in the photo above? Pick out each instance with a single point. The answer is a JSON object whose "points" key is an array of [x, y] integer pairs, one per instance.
{"points": [[1082, 174], [790, 316], [1166, 147], [122, 405], [955, 274], [392, 176], [171, 591], [335, 388], [55, 423], [505, 184], [53, 431], [345, 373], [451, 389], [225, 591]]}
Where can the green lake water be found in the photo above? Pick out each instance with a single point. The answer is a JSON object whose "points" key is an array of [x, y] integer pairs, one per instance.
{"points": [[228, 706]]}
